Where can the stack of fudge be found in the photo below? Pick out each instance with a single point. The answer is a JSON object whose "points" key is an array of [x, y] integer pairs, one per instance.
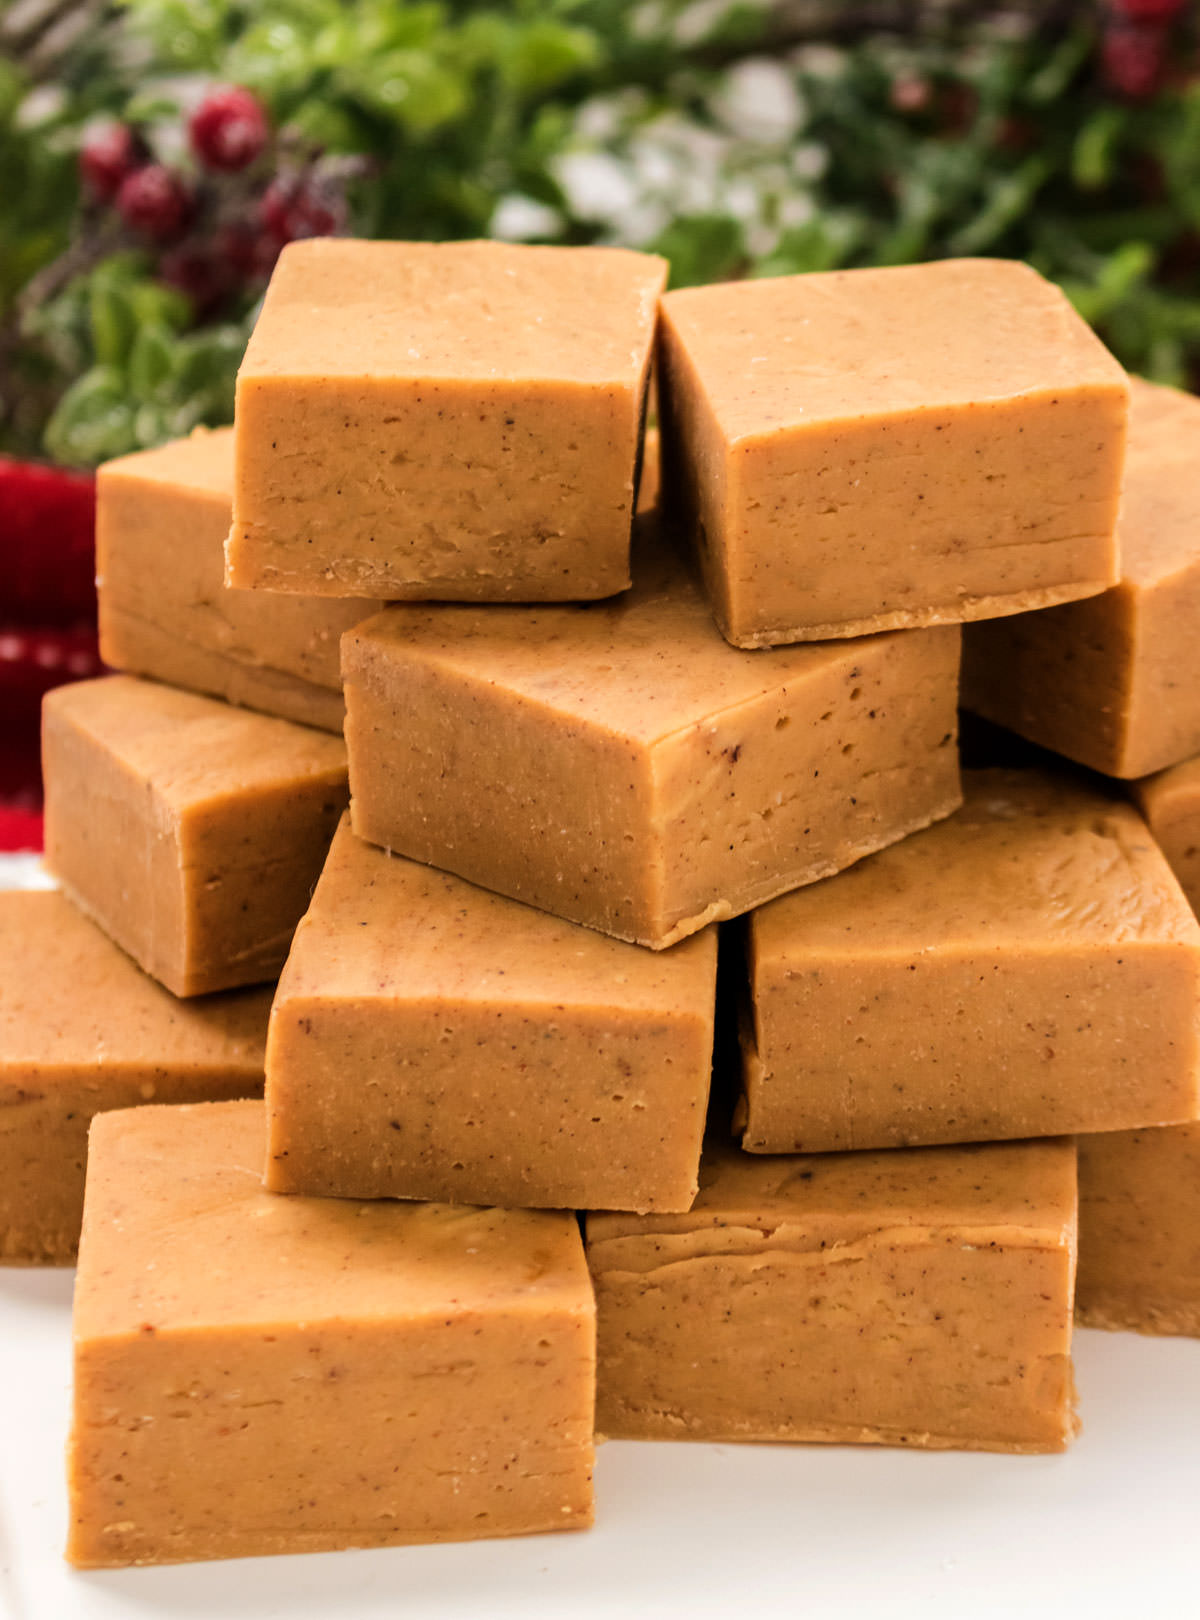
{"points": [[607, 695]]}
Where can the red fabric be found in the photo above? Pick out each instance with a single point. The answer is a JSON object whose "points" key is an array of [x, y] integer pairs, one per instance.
{"points": [[20, 830], [31, 662], [47, 622], [47, 545]]}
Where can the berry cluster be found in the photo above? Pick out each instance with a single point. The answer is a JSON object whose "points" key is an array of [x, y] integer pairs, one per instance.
{"points": [[1135, 46], [216, 232]]}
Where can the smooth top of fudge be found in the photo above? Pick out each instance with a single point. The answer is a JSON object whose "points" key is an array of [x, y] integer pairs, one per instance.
{"points": [[240, 1256], [996, 1185], [383, 926], [644, 664], [195, 749], [788, 351], [457, 311], [202, 462], [68, 995], [1031, 860], [1159, 525]]}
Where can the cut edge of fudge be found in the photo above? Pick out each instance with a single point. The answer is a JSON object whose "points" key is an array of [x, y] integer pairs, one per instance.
{"points": [[965, 610], [744, 1228]]}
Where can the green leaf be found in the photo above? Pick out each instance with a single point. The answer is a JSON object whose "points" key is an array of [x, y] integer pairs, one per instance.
{"points": [[113, 321], [545, 53], [1009, 197], [822, 244], [1116, 278], [151, 361], [701, 248], [150, 426], [157, 305], [412, 87], [92, 421], [1094, 151], [1052, 79]]}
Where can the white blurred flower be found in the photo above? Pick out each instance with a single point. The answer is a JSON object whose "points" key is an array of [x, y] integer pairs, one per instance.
{"points": [[809, 161], [602, 118], [742, 198], [820, 61], [759, 101], [596, 185], [517, 218], [762, 239], [797, 208], [656, 167], [648, 21], [642, 224], [42, 103]]}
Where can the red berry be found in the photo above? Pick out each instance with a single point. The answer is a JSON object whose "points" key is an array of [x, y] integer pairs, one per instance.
{"points": [[229, 128], [155, 201], [246, 250], [266, 251], [957, 107], [106, 158], [47, 555], [910, 93], [200, 273], [236, 244], [300, 206], [1016, 135], [1148, 11], [1133, 60]]}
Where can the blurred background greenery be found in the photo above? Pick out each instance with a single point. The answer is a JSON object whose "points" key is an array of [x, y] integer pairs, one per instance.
{"points": [[738, 137]]}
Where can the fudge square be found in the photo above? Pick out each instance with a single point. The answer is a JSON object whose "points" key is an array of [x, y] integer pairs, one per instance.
{"points": [[916, 1298], [1026, 968], [191, 831], [1170, 802], [459, 420], [83, 1029], [1110, 682], [622, 766], [162, 518], [1139, 1230], [432, 1040], [300, 1374], [860, 450]]}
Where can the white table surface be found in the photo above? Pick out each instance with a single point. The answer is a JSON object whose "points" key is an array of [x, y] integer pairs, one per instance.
{"points": [[1108, 1529]]}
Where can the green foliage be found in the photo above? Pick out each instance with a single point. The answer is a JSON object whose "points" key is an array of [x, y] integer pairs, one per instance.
{"points": [[37, 189], [659, 123], [141, 376]]}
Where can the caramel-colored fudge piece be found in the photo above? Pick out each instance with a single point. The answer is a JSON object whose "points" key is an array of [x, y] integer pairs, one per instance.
{"points": [[299, 1374], [432, 1040], [1110, 682], [83, 1029], [1170, 802], [861, 450], [622, 766], [1139, 1230], [162, 518], [191, 831], [458, 420], [1026, 968], [911, 1298]]}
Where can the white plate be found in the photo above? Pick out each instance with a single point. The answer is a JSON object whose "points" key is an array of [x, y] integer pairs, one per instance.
{"points": [[1109, 1529]]}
